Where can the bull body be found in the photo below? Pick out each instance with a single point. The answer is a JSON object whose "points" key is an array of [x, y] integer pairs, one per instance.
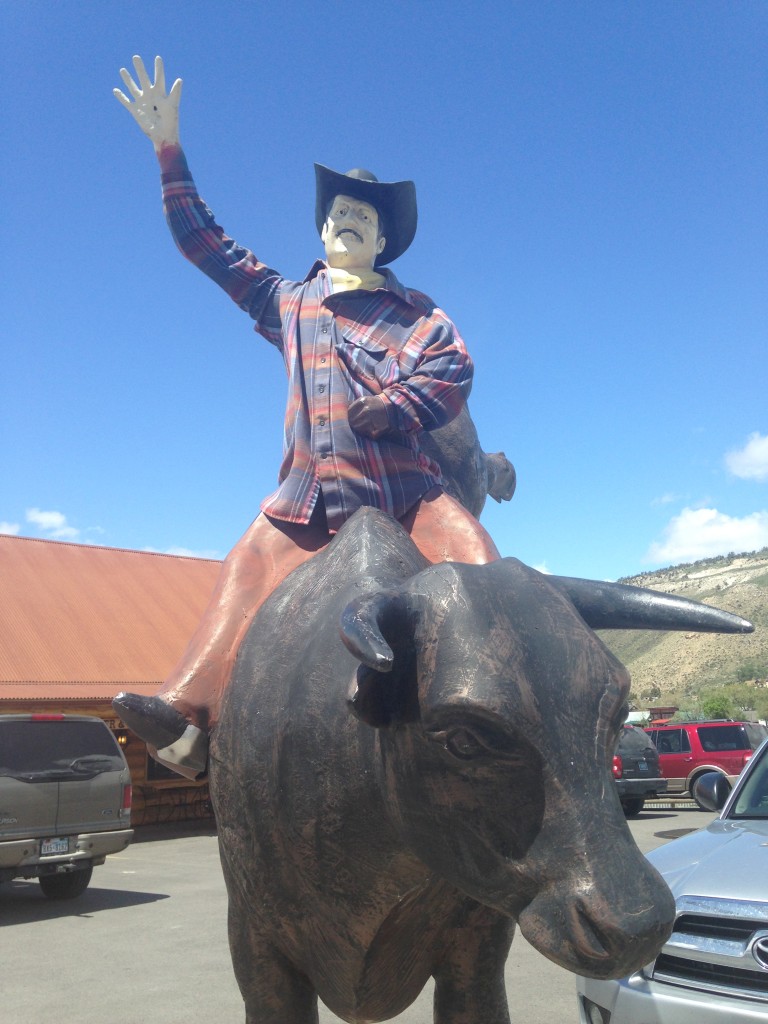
{"points": [[365, 852]]}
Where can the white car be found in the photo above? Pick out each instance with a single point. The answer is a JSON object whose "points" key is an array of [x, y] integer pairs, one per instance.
{"points": [[714, 967]]}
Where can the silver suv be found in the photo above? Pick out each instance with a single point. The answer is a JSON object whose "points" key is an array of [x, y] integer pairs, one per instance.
{"points": [[713, 969], [65, 800]]}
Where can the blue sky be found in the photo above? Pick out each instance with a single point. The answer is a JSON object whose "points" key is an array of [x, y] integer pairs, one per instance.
{"points": [[592, 195]]}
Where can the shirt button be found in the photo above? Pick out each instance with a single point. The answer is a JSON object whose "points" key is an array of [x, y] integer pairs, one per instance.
{"points": [[325, 330], [322, 359], [323, 455], [321, 421], [321, 388]]}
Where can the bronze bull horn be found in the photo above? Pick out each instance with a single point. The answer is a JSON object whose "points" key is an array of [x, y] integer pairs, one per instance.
{"points": [[619, 606], [363, 626], [364, 621]]}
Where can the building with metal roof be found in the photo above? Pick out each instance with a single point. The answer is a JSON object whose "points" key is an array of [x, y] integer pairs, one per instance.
{"points": [[79, 623]]}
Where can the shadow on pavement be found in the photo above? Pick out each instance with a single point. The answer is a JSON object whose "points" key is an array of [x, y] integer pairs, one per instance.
{"points": [[23, 902], [647, 815], [174, 830]]}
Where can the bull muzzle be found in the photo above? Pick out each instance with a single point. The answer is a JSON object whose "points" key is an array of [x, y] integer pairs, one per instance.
{"points": [[607, 927]]}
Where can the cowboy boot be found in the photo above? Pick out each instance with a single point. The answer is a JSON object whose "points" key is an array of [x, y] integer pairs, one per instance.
{"points": [[176, 741]]}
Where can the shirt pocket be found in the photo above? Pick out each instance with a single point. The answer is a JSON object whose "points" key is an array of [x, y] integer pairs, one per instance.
{"points": [[369, 362]]}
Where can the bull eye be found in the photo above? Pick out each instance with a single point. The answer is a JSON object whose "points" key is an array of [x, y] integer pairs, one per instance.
{"points": [[463, 744]]}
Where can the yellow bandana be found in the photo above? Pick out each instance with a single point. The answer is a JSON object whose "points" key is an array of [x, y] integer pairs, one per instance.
{"points": [[343, 281]]}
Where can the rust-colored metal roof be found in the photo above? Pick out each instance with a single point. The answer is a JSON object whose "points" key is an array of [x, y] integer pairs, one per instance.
{"points": [[79, 621]]}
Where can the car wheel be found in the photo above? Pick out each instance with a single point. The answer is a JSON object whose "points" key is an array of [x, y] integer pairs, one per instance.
{"points": [[633, 806], [66, 887], [699, 804]]}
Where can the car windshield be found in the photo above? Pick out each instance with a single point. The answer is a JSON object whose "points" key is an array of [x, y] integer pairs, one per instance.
{"points": [[752, 800], [41, 746]]}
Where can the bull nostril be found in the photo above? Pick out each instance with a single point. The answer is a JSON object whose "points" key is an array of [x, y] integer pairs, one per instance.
{"points": [[589, 935]]}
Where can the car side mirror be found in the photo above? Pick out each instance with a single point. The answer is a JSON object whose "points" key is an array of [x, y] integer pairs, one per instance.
{"points": [[711, 790]]}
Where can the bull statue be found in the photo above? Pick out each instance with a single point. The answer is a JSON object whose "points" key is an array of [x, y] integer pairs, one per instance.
{"points": [[411, 759]]}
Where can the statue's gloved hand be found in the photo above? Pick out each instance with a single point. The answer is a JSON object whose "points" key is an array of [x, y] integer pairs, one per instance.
{"points": [[155, 112], [370, 416]]}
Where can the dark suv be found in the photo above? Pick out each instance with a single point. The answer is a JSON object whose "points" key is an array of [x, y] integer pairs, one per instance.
{"points": [[636, 769], [689, 749]]}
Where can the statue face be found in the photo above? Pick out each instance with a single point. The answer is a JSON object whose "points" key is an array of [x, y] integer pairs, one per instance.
{"points": [[351, 234]]}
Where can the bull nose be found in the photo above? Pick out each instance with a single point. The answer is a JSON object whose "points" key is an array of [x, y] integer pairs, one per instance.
{"points": [[587, 934], [590, 937], [612, 948]]}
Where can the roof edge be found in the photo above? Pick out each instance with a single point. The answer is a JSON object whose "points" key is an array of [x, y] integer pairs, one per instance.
{"points": [[107, 547]]}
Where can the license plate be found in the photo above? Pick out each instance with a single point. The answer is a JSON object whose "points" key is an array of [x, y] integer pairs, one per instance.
{"points": [[642, 766], [50, 846]]}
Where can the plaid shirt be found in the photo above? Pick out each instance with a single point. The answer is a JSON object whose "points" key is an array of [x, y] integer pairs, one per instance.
{"points": [[337, 347]]}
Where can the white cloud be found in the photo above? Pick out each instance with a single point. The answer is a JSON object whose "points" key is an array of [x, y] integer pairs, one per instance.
{"points": [[665, 499], [189, 553], [54, 524], [751, 461], [10, 529], [209, 554], [703, 532]]}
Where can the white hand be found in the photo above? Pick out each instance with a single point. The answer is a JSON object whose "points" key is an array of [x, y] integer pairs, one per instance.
{"points": [[156, 113]]}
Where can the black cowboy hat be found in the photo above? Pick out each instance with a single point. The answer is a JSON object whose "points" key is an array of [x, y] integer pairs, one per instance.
{"points": [[394, 201]]}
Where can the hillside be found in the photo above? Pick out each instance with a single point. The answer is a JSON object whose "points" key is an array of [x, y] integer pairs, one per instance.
{"points": [[674, 668]]}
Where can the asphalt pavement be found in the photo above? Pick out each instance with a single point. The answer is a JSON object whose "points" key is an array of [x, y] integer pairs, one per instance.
{"points": [[147, 941]]}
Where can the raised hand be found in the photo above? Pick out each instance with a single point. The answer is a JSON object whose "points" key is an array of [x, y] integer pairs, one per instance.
{"points": [[156, 113]]}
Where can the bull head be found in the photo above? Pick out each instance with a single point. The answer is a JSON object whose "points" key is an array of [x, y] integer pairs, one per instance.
{"points": [[503, 707]]}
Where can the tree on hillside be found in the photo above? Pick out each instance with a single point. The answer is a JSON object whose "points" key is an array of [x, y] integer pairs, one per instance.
{"points": [[652, 692], [752, 669], [750, 702], [736, 701], [690, 712], [717, 705]]}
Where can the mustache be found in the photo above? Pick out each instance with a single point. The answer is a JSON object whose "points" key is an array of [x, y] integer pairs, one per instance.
{"points": [[352, 231]]}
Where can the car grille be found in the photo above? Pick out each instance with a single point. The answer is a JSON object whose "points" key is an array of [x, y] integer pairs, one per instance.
{"points": [[718, 946]]}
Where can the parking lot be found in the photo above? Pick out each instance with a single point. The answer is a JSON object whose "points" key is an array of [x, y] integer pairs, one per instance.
{"points": [[147, 941]]}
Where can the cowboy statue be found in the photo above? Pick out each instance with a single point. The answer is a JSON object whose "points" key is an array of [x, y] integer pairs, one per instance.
{"points": [[371, 364]]}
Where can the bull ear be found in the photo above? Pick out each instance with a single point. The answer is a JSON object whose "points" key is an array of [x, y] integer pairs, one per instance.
{"points": [[619, 606], [378, 630]]}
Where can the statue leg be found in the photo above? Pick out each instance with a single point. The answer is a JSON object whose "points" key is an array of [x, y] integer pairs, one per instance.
{"points": [[175, 722], [469, 983], [444, 531], [267, 552], [273, 990]]}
